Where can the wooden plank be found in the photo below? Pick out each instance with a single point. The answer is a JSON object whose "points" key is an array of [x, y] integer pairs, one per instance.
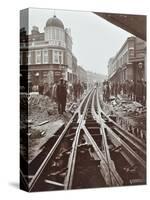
{"points": [[42, 123]]}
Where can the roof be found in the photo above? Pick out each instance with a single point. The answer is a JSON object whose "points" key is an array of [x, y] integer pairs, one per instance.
{"points": [[54, 21]]}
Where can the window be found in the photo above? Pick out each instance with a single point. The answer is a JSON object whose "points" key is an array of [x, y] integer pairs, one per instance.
{"points": [[38, 57], [124, 59], [45, 74], [57, 57], [53, 34], [57, 34], [69, 58], [45, 56], [126, 56], [29, 57], [63, 36]]}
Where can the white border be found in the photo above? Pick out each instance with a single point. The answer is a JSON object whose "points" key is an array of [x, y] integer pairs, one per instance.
{"points": [[9, 100]]}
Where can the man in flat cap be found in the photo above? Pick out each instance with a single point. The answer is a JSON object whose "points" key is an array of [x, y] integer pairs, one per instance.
{"points": [[61, 95]]}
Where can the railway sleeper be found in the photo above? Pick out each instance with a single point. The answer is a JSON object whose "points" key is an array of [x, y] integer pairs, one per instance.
{"points": [[89, 118], [87, 173], [94, 130], [91, 123]]}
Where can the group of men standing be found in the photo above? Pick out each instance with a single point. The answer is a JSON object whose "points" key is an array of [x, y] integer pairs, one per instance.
{"points": [[61, 92], [72, 91], [135, 91]]}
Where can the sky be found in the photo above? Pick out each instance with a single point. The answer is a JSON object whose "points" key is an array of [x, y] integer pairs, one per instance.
{"points": [[95, 40]]}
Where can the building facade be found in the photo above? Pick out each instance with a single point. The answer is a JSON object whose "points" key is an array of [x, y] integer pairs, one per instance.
{"points": [[81, 74], [48, 56], [129, 63]]}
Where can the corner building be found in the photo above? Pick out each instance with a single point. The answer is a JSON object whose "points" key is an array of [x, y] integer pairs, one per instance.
{"points": [[48, 55]]}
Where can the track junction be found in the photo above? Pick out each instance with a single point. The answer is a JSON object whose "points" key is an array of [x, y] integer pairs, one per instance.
{"points": [[92, 150]]}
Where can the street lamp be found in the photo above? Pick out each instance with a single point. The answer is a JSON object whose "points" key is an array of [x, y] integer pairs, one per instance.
{"points": [[140, 65], [37, 78], [37, 74]]}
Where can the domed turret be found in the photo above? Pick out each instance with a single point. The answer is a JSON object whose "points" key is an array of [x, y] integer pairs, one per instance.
{"points": [[54, 21]]}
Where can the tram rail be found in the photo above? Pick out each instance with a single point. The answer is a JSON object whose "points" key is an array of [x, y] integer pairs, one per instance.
{"points": [[133, 149], [91, 137]]}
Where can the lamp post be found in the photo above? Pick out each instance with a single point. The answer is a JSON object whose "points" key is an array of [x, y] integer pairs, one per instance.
{"points": [[141, 86], [37, 77], [140, 66]]}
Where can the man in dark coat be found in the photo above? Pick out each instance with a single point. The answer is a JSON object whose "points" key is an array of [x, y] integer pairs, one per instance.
{"points": [[61, 94], [41, 88], [75, 90], [139, 91]]}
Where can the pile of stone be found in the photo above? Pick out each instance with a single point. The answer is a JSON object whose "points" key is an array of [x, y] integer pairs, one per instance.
{"points": [[130, 115], [41, 103], [125, 106]]}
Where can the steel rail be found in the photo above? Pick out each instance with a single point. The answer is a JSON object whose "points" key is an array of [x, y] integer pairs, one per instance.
{"points": [[106, 148], [105, 145], [71, 164], [128, 153], [138, 144], [51, 152], [72, 159], [133, 153], [132, 143], [126, 148], [113, 174], [137, 141], [105, 170]]}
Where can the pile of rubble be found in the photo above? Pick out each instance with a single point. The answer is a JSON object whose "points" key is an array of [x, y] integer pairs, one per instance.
{"points": [[41, 103], [39, 121], [130, 115], [127, 107]]}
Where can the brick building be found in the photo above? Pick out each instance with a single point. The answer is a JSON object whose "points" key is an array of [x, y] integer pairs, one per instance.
{"points": [[129, 63], [48, 56], [81, 74]]}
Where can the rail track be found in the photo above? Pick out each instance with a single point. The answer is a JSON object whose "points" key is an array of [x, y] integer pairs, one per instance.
{"points": [[90, 151], [126, 144]]}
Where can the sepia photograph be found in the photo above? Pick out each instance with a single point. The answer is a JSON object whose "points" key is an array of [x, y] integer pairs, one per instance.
{"points": [[83, 83]]}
